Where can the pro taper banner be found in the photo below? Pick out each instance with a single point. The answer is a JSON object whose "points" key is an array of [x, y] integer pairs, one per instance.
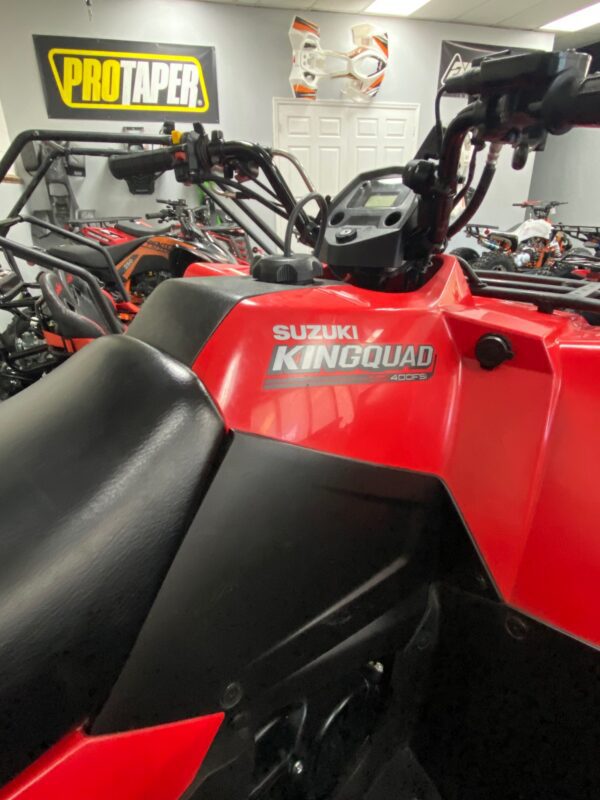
{"points": [[110, 79]]}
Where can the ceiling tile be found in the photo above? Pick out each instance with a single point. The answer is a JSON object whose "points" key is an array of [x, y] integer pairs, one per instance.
{"points": [[492, 12], [525, 14], [445, 9], [350, 6], [578, 38], [296, 5], [539, 14]]}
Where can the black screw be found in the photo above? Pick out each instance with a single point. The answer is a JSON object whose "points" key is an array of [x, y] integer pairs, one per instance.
{"points": [[231, 696], [516, 627]]}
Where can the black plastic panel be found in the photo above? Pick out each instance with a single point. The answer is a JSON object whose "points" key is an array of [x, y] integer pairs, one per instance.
{"points": [[513, 709], [297, 566], [182, 314]]}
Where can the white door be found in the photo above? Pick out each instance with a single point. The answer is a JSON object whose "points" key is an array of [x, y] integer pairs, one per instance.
{"points": [[335, 140]]}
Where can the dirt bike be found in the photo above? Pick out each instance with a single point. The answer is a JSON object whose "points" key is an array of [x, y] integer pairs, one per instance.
{"points": [[533, 244], [361, 572]]}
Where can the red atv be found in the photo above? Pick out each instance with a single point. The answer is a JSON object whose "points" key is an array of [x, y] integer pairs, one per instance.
{"points": [[144, 254], [59, 313], [115, 230], [322, 555]]}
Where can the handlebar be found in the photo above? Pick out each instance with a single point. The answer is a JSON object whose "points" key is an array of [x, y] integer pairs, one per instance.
{"points": [[514, 99], [540, 204], [553, 89], [578, 105], [196, 158]]}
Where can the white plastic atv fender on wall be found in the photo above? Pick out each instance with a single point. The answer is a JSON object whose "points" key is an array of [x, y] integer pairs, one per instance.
{"points": [[364, 66]]}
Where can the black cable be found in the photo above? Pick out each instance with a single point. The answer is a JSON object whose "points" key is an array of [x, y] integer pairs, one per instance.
{"points": [[438, 118], [246, 172], [244, 191], [322, 203], [467, 215]]}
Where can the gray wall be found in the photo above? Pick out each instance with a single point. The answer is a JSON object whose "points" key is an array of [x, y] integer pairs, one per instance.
{"points": [[253, 60], [569, 170]]}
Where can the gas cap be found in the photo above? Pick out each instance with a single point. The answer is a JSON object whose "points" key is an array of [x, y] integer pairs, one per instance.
{"points": [[346, 235], [298, 268]]}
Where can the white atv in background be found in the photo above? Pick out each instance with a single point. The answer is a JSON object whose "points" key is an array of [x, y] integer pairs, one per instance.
{"points": [[531, 245]]}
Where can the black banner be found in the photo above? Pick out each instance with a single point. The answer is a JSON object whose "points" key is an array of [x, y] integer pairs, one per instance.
{"points": [[111, 79], [457, 57]]}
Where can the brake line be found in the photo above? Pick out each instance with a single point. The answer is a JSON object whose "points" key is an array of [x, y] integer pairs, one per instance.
{"points": [[484, 184]]}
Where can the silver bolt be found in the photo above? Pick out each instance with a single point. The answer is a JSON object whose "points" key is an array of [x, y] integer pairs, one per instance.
{"points": [[377, 666], [297, 768]]}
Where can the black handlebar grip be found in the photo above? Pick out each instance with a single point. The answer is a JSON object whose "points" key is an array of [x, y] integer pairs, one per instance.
{"points": [[155, 215], [585, 109], [146, 163]]}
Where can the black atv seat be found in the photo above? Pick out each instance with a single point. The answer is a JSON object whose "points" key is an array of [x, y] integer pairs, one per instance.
{"points": [[103, 465], [143, 228], [93, 259], [72, 307]]}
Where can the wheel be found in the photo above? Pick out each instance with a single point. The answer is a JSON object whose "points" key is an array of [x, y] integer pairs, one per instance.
{"points": [[497, 262], [469, 255]]}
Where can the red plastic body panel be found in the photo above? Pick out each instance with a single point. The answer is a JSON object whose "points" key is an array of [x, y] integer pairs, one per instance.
{"points": [[588, 274], [149, 764], [106, 234], [202, 269], [517, 446]]}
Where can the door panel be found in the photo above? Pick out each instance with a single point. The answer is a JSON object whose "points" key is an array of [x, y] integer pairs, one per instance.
{"points": [[335, 140]]}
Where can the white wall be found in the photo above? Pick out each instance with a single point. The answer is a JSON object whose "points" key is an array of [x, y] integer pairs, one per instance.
{"points": [[253, 62], [569, 170]]}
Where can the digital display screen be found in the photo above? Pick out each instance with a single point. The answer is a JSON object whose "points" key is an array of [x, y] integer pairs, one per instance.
{"points": [[380, 200]]}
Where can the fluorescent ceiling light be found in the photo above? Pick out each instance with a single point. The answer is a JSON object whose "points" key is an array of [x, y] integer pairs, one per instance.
{"points": [[577, 21], [395, 8]]}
